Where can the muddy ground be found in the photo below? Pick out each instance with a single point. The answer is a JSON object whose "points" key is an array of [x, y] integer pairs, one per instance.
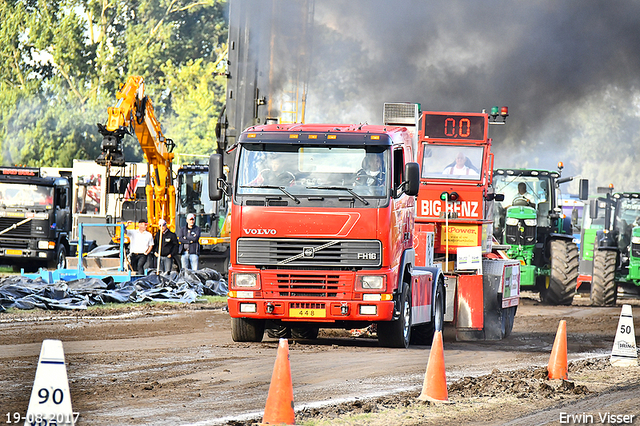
{"points": [[160, 364]]}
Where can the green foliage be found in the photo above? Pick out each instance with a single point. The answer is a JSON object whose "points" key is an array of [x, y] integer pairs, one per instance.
{"points": [[63, 61]]}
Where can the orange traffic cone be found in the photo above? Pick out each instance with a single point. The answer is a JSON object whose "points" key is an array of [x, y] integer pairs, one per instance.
{"points": [[279, 408], [434, 388], [558, 360]]}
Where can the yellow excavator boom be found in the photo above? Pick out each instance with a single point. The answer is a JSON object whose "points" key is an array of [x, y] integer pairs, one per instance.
{"points": [[133, 114]]}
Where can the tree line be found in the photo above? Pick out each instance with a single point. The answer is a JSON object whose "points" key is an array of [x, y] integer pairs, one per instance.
{"points": [[64, 60]]}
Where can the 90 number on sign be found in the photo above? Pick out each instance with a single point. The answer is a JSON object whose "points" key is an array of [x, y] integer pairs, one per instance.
{"points": [[467, 127], [56, 395]]}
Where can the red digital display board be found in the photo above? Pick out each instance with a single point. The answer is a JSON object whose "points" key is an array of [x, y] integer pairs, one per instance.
{"points": [[459, 127]]}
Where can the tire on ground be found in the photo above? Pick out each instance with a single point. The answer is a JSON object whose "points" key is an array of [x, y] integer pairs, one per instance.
{"points": [[304, 333], [247, 330], [604, 291], [397, 334], [279, 332], [508, 318], [60, 259], [564, 273]]}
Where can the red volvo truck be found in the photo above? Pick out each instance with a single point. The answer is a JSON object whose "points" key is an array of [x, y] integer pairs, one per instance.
{"points": [[454, 223], [322, 233]]}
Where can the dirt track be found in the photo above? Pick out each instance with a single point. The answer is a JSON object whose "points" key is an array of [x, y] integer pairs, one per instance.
{"points": [[178, 364]]}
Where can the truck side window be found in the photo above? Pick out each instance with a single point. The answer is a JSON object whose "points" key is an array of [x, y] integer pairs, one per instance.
{"points": [[61, 199], [398, 169]]}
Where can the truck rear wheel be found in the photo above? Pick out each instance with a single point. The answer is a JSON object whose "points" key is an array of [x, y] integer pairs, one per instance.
{"points": [[422, 334], [247, 330], [397, 334], [279, 332], [604, 291], [564, 273], [508, 318], [305, 333]]}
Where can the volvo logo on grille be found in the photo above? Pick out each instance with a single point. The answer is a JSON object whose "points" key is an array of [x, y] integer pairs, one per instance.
{"points": [[367, 256], [308, 252], [250, 231]]}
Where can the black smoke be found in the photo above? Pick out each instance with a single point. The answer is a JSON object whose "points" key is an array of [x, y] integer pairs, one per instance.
{"points": [[548, 60]]}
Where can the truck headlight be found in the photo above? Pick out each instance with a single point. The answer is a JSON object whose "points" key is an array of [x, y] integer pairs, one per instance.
{"points": [[45, 245], [530, 222], [245, 280], [635, 240], [370, 282], [512, 221]]}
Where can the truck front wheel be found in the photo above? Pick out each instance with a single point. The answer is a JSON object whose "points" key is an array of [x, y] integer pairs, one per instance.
{"points": [[564, 273], [247, 330], [397, 333], [60, 259], [604, 291]]}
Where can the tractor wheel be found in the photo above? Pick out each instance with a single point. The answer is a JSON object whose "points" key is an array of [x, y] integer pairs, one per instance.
{"points": [[422, 334], [604, 291], [304, 333], [564, 273], [397, 334], [247, 330]]}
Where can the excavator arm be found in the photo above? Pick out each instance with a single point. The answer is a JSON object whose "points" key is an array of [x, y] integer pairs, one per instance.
{"points": [[133, 115]]}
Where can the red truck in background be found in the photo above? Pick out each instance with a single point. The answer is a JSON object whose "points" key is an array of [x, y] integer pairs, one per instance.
{"points": [[322, 234], [454, 223]]}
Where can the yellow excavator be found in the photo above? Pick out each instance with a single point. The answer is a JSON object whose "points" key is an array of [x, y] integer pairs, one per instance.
{"points": [[133, 115]]}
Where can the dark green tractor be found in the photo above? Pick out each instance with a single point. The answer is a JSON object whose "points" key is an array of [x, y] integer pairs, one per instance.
{"points": [[531, 223], [610, 247]]}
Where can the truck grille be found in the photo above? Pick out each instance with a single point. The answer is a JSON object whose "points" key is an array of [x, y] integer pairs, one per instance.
{"points": [[292, 253], [307, 284], [14, 243], [23, 230]]}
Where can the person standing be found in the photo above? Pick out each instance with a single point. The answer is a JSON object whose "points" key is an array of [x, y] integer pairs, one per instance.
{"points": [[140, 245], [165, 247], [189, 238]]}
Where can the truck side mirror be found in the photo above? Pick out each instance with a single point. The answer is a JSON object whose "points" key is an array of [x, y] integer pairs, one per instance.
{"points": [[593, 209], [216, 177], [412, 179], [583, 189]]}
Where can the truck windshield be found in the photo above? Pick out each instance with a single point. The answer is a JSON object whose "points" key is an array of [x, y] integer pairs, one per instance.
{"points": [[303, 171], [193, 197], [25, 195], [452, 162]]}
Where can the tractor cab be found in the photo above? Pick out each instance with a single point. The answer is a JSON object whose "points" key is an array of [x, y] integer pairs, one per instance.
{"points": [[529, 205], [530, 221]]}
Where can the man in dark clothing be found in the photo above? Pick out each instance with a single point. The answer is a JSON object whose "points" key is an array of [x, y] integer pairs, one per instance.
{"points": [[167, 242], [189, 238]]}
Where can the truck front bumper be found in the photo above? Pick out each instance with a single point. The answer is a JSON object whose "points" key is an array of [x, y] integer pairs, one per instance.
{"points": [[27, 254], [321, 311]]}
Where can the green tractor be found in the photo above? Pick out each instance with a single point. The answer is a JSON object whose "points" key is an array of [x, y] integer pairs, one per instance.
{"points": [[610, 247], [531, 224]]}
